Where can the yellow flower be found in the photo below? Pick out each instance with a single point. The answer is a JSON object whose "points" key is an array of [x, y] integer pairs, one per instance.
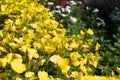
{"points": [[83, 61], [112, 74], [17, 66], [62, 62], [42, 75], [89, 77], [23, 48], [82, 32], [74, 74], [9, 57], [89, 41], [85, 46], [83, 69], [41, 62], [89, 69], [65, 70], [76, 63], [32, 53], [90, 32], [97, 46], [17, 78], [73, 45], [37, 45], [57, 79], [51, 78], [50, 49], [16, 56], [93, 59], [75, 56], [118, 70], [18, 21], [19, 41], [29, 74], [13, 45], [67, 46], [54, 58], [3, 7], [12, 56], [3, 49], [34, 25], [3, 62], [31, 34], [94, 63]]}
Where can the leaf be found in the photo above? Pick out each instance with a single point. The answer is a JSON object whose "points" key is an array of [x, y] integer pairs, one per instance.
{"points": [[3, 76]]}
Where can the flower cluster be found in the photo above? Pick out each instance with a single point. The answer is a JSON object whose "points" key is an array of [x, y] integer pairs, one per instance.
{"points": [[34, 46], [69, 12]]}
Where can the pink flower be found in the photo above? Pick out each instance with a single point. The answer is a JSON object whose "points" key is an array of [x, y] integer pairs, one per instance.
{"points": [[83, 5], [60, 2]]}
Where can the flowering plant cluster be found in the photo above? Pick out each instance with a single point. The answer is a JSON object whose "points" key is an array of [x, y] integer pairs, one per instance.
{"points": [[73, 12], [77, 15], [34, 46]]}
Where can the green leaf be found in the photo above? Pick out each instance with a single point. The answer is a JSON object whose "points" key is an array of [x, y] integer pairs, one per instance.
{"points": [[3, 76]]}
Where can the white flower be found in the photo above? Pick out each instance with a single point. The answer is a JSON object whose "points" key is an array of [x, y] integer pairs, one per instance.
{"points": [[53, 11], [73, 2], [101, 22], [73, 19], [50, 3], [63, 9], [68, 7], [58, 11], [79, 2], [48, 9], [96, 10], [58, 7], [61, 20], [63, 15], [87, 8], [68, 10]]}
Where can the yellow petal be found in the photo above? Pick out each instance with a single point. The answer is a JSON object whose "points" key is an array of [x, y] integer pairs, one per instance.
{"points": [[17, 78], [23, 48], [3, 62], [63, 62], [3, 7], [31, 53], [74, 74], [97, 46], [42, 75], [29, 74], [118, 70], [9, 57], [54, 58], [3, 49], [41, 62], [17, 66], [90, 32]]}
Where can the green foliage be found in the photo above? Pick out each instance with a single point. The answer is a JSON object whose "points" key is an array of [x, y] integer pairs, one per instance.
{"points": [[110, 52]]}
